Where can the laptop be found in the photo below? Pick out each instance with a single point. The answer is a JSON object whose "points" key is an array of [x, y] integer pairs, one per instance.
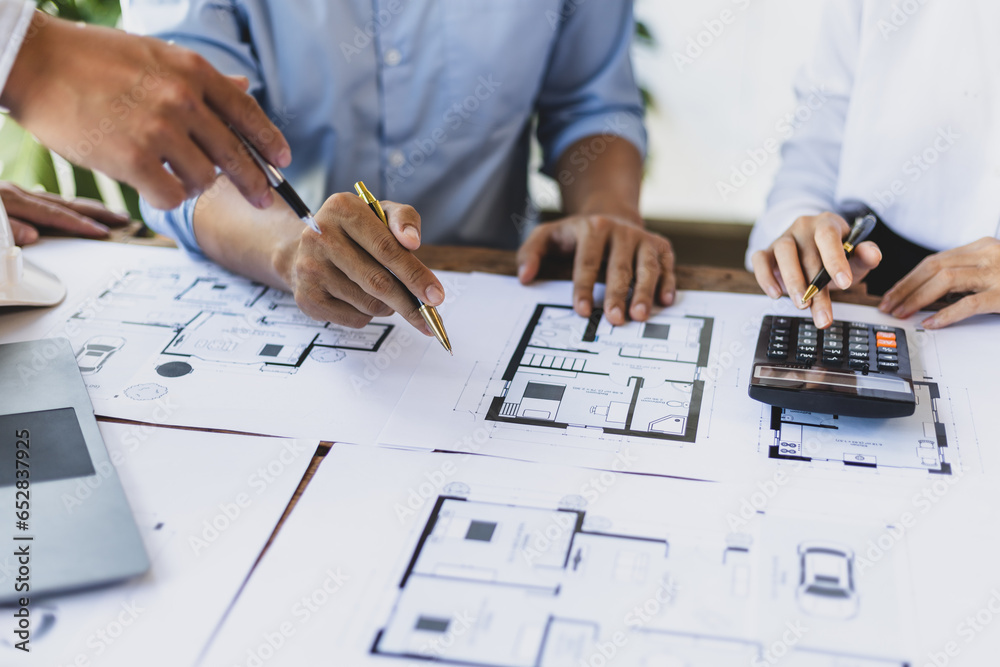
{"points": [[63, 513]]}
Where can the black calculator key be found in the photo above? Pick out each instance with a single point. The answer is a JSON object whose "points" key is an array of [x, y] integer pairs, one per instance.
{"points": [[833, 345], [776, 354], [779, 339], [859, 363], [835, 329], [887, 365], [782, 322], [858, 347], [888, 357], [857, 340]]}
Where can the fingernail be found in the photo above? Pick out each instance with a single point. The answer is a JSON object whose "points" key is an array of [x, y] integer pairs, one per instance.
{"points": [[774, 292], [284, 157], [101, 229], [843, 280], [266, 200], [668, 298], [797, 300], [822, 320], [899, 312], [930, 323], [522, 271], [884, 306], [435, 296], [583, 307], [615, 315], [411, 235], [639, 311]]}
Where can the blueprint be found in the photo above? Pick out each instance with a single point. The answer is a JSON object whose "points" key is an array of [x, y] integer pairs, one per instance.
{"points": [[179, 342], [469, 560], [205, 505], [667, 396], [637, 381]]}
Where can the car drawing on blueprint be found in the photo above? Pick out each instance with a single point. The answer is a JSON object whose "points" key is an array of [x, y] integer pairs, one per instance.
{"points": [[96, 351], [826, 586]]}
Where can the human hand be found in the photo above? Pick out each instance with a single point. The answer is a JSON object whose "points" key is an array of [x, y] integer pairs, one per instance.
{"points": [[27, 211], [972, 268], [343, 275], [143, 111], [812, 243], [634, 254]]}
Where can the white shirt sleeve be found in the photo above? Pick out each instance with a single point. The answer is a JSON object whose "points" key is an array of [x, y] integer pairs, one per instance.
{"points": [[806, 183], [15, 17]]}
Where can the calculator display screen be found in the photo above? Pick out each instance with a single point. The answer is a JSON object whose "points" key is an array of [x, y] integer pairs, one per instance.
{"points": [[801, 378]]}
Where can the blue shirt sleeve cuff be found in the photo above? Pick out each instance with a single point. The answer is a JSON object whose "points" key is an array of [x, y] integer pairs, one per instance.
{"points": [[178, 224]]}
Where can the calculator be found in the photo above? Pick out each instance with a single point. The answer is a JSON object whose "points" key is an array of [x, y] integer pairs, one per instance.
{"points": [[851, 368]]}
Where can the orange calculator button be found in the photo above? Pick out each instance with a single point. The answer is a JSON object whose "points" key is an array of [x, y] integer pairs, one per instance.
{"points": [[887, 343], [885, 335]]}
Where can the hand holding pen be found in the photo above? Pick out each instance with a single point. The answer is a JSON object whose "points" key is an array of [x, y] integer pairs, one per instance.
{"points": [[814, 247], [349, 266]]}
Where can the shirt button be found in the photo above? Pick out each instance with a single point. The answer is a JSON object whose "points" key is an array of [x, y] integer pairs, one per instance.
{"points": [[397, 159], [393, 57]]}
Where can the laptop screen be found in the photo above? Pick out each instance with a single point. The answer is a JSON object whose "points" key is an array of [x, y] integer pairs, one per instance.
{"points": [[55, 445]]}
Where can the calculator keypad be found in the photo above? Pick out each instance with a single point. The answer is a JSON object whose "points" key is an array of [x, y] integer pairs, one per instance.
{"points": [[852, 344]]}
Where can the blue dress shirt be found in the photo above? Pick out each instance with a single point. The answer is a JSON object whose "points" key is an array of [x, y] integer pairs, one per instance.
{"points": [[430, 102]]}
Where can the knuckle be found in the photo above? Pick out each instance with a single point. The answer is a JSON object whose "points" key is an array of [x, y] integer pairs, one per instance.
{"points": [[379, 282], [339, 202], [356, 320], [598, 224], [386, 247]]}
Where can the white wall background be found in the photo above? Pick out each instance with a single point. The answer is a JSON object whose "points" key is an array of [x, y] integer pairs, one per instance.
{"points": [[712, 111], [729, 100]]}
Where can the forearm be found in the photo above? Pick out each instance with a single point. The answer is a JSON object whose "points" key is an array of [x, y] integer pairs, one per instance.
{"points": [[601, 175], [257, 243]]}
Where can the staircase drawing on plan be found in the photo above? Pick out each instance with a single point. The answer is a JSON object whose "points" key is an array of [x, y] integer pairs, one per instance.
{"points": [[641, 379]]}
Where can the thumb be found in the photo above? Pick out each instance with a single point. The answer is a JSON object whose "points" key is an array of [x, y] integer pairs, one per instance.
{"points": [[529, 255], [242, 82], [404, 223], [24, 234]]}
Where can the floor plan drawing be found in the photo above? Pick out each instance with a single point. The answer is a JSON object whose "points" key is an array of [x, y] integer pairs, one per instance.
{"points": [[170, 339], [482, 590], [642, 379], [218, 319], [917, 442]]}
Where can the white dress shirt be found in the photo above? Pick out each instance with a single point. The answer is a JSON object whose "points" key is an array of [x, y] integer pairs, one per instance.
{"points": [[910, 124], [15, 17]]}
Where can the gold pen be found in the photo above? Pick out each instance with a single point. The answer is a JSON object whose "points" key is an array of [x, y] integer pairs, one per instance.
{"points": [[429, 313]]}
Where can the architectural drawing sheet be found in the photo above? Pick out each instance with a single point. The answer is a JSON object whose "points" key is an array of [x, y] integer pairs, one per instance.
{"points": [[668, 396], [471, 560], [206, 505], [169, 340]]}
